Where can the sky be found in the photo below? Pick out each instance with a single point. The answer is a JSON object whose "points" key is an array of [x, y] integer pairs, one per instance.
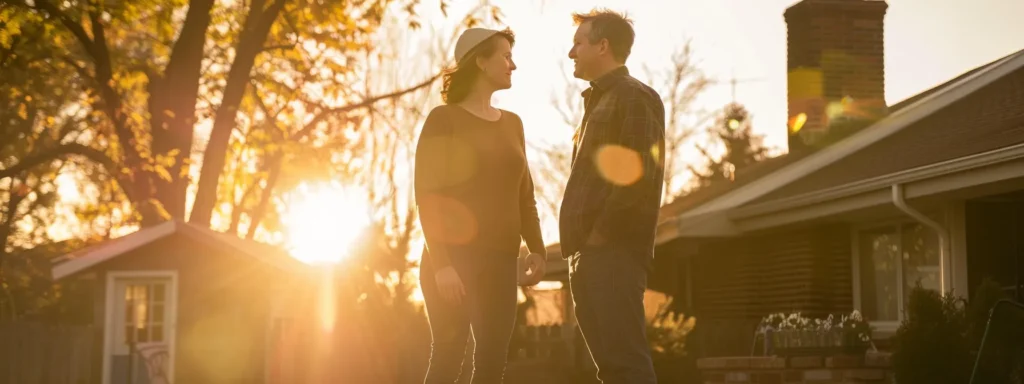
{"points": [[926, 43]]}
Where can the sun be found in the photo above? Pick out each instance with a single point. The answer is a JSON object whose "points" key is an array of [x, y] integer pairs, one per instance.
{"points": [[323, 220]]}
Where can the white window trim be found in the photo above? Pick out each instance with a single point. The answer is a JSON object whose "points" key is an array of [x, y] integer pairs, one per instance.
{"points": [[108, 317], [887, 328], [879, 328], [953, 217]]}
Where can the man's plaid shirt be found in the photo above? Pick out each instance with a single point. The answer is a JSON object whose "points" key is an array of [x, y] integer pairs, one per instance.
{"points": [[617, 168]]}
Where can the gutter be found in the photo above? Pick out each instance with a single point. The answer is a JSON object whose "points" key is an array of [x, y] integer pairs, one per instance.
{"points": [[901, 203]]}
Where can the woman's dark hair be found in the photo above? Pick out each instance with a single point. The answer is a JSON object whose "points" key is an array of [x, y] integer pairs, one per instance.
{"points": [[458, 80]]}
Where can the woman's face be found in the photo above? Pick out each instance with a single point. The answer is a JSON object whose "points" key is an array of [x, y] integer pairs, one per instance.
{"points": [[497, 69]]}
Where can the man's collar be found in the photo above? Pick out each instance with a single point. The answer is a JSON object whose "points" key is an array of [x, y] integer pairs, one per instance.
{"points": [[607, 80]]}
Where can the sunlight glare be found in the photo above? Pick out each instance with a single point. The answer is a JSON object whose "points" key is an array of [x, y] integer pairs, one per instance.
{"points": [[323, 221], [619, 165], [797, 122], [552, 285]]}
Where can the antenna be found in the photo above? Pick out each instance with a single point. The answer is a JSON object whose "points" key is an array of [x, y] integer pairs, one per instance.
{"points": [[733, 81]]}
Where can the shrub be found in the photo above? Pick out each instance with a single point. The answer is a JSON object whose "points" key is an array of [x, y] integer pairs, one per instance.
{"points": [[930, 346], [667, 331]]}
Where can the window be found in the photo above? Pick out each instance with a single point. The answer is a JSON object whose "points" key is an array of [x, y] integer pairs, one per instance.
{"points": [[891, 261], [144, 313]]}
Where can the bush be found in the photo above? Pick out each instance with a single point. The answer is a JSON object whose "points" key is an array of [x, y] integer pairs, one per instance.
{"points": [[666, 336], [667, 331], [931, 346]]}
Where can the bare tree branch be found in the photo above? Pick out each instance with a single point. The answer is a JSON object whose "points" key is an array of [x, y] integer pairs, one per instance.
{"points": [[281, 47], [308, 128], [58, 153]]}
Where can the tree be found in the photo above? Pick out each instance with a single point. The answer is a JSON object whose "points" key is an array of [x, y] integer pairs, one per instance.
{"points": [[30, 118], [680, 86], [733, 134], [308, 113], [153, 71]]}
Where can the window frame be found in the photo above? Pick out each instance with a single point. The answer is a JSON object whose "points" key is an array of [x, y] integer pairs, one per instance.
{"points": [[888, 327]]}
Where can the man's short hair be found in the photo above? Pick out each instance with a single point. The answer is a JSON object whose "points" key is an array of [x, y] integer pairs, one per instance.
{"points": [[611, 25]]}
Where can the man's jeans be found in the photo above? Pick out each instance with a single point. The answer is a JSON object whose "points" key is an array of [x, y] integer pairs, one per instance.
{"points": [[608, 293]]}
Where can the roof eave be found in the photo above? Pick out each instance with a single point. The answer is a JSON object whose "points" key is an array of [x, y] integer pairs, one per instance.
{"points": [[970, 171], [104, 252], [711, 224]]}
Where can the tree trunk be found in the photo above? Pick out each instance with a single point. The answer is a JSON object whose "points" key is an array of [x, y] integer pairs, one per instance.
{"points": [[251, 40], [172, 106]]}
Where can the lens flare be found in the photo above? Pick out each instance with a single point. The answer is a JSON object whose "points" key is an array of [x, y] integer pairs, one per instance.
{"points": [[619, 165]]}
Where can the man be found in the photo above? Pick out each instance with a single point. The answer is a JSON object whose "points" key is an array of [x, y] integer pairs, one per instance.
{"points": [[611, 201]]}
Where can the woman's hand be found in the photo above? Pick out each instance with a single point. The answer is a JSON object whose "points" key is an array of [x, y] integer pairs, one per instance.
{"points": [[532, 269], [450, 285]]}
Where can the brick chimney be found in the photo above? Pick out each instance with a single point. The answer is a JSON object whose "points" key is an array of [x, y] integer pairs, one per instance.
{"points": [[836, 70]]}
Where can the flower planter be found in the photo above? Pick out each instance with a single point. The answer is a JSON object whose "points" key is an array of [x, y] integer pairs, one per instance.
{"points": [[814, 342], [794, 335]]}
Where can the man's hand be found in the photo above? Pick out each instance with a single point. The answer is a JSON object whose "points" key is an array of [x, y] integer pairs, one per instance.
{"points": [[532, 269], [450, 285]]}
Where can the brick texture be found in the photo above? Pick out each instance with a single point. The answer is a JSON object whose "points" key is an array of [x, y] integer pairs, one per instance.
{"points": [[835, 51], [766, 378], [878, 359], [844, 361], [807, 270], [806, 362], [837, 369]]}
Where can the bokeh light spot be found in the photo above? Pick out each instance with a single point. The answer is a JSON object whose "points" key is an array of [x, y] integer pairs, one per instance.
{"points": [[619, 165]]}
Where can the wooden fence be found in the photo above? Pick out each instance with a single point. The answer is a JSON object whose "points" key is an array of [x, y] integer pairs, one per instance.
{"points": [[46, 354]]}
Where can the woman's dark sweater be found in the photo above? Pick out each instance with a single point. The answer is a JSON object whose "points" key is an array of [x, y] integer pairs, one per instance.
{"points": [[473, 187]]}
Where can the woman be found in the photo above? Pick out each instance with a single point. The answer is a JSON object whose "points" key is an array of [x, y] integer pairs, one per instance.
{"points": [[476, 204]]}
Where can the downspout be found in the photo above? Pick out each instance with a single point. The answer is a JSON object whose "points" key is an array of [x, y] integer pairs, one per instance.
{"points": [[901, 203]]}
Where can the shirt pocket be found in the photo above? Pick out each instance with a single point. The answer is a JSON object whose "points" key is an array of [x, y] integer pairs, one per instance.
{"points": [[597, 132]]}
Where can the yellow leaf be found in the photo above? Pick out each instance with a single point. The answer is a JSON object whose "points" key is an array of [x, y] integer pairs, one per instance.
{"points": [[162, 172], [22, 111]]}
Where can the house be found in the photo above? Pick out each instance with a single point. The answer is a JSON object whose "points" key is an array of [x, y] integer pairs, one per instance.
{"points": [[871, 199], [182, 303]]}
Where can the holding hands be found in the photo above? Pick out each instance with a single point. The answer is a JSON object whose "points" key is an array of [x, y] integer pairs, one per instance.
{"points": [[532, 269]]}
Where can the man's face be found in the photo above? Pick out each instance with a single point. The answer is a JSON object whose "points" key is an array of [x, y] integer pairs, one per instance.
{"points": [[584, 54]]}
